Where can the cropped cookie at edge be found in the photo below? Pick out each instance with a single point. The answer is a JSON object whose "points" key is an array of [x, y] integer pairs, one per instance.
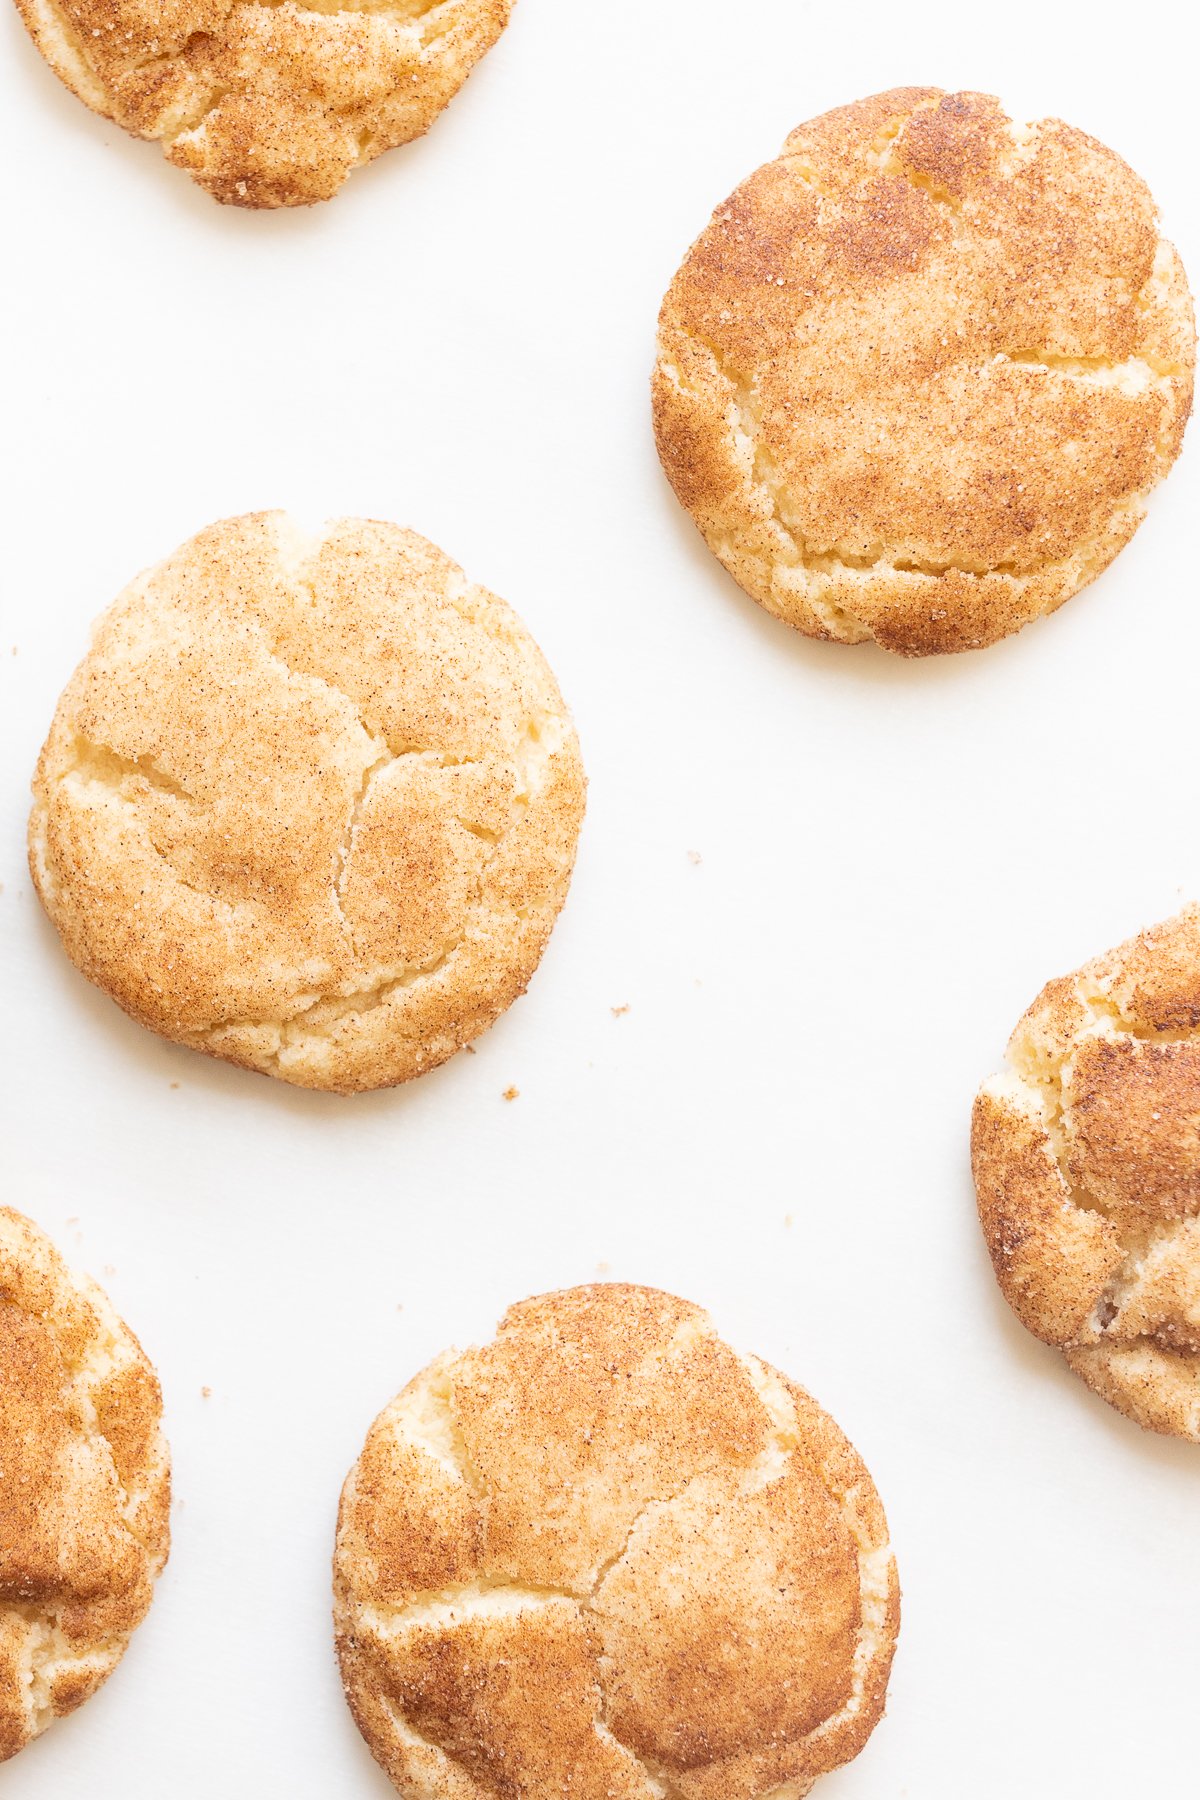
{"points": [[309, 804], [1086, 1153], [606, 1552], [918, 376], [85, 1485], [267, 104]]}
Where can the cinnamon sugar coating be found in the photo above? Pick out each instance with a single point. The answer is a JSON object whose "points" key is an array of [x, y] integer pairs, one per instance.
{"points": [[918, 376], [607, 1553], [1086, 1153], [309, 804], [84, 1485], [267, 102]]}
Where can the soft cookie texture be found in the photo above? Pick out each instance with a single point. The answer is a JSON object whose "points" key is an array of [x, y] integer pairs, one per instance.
{"points": [[1087, 1164], [267, 104], [309, 803], [607, 1555], [918, 376], [84, 1485]]}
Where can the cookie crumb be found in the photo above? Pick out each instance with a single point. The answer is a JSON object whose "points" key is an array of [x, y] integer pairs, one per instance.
{"points": [[695, 857], [174, 1084], [511, 1093], [206, 1393], [618, 1012]]}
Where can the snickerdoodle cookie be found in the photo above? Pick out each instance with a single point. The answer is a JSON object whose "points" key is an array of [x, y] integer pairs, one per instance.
{"points": [[1087, 1163], [267, 103], [918, 376], [309, 803], [608, 1554], [84, 1485]]}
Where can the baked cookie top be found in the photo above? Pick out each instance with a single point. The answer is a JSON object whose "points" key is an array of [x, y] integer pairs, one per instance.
{"points": [[608, 1552], [84, 1485], [918, 376], [1087, 1163], [267, 104], [309, 803]]}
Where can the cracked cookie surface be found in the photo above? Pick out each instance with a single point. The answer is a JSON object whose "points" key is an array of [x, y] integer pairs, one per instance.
{"points": [[267, 102], [309, 804], [84, 1485], [1086, 1154], [919, 374], [607, 1552]]}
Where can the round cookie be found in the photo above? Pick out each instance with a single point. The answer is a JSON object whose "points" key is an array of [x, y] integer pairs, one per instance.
{"points": [[1086, 1154], [607, 1553], [267, 104], [85, 1485], [918, 376], [309, 803]]}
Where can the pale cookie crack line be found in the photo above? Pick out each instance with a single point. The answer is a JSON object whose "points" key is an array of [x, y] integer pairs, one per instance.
{"points": [[412, 1738], [378, 993], [490, 617], [1113, 1347], [356, 1003], [301, 574], [1105, 1008], [1158, 374], [194, 121], [1123, 1287], [44, 1654], [95, 761], [883, 159], [113, 796], [411, 14], [384, 760], [345, 849]]}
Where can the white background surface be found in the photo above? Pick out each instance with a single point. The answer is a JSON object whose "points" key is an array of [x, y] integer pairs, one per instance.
{"points": [[895, 856]]}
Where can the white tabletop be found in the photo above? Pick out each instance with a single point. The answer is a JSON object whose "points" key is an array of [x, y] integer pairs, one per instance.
{"points": [[892, 858]]}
